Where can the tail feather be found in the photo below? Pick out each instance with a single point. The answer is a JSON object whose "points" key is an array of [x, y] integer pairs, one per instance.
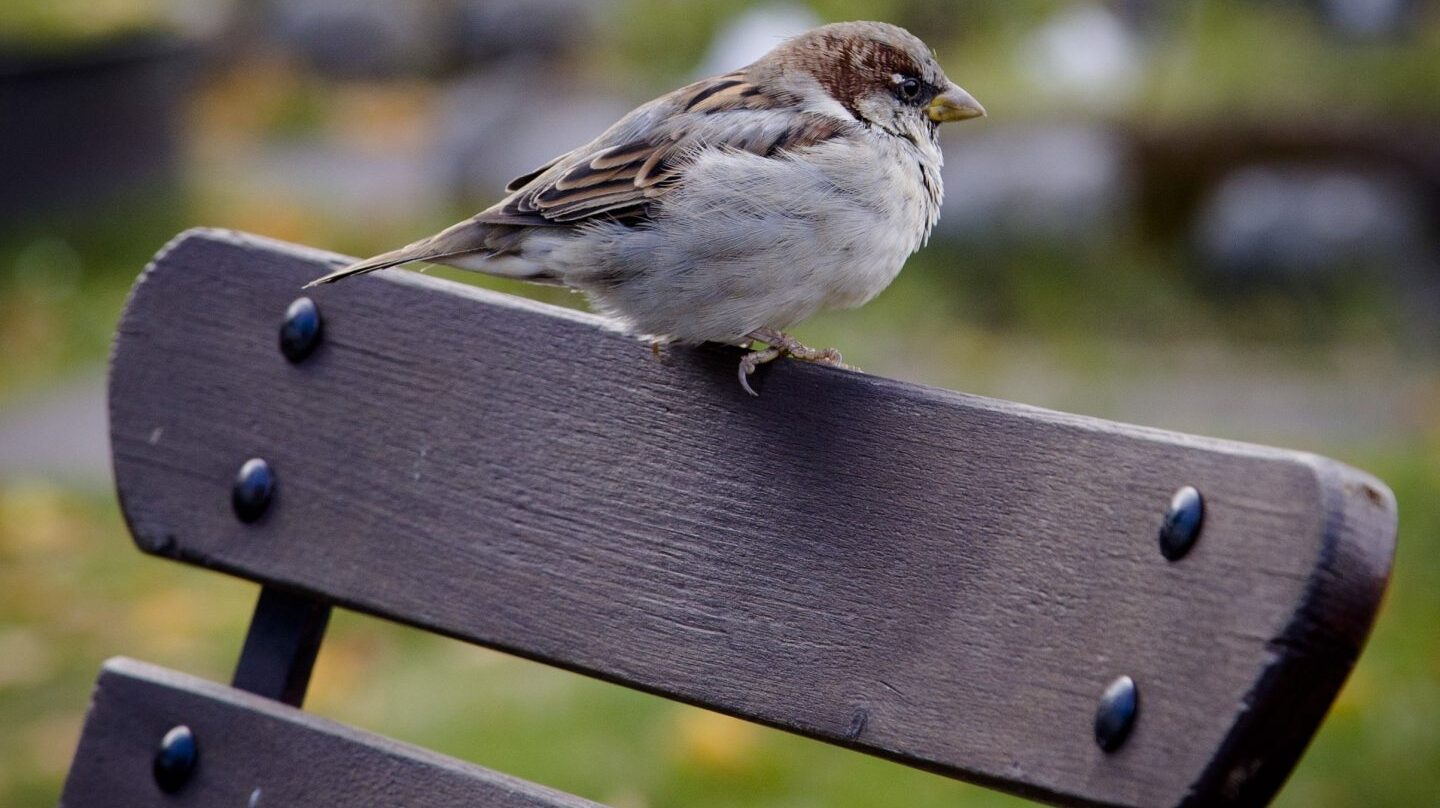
{"points": [[471, 244], [404, 255]]}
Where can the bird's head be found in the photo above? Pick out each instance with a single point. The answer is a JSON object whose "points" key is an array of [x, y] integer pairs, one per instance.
{"points": [[878, 74]]}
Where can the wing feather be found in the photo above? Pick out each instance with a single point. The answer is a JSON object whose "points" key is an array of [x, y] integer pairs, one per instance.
{"points": [[525, 179], [624, 172], [620, 175]]}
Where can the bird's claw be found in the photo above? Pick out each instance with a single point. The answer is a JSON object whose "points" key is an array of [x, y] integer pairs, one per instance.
{"points": [[753, 360], [782, 344]]}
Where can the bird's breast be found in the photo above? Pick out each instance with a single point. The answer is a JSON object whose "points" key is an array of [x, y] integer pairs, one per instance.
{"points": [[889, 203], [748, 241]]}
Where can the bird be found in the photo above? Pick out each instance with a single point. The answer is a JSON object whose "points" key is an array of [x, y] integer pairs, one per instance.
{"points": [[735, 207]]}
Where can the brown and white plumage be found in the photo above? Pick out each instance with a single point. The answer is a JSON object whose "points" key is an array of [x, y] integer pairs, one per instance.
{"points": [[734, 207]]}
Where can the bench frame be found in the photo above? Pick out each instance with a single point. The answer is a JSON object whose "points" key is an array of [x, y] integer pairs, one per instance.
{"points": [[943, 580]]}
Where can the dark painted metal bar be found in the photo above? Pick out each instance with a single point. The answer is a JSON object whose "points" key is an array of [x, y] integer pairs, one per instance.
{"points": [[281, 646]]}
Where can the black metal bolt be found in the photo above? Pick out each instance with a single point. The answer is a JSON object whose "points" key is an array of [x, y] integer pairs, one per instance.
{"points": [[175, 759], [254, 486], [300, 332], [1182, 523], [1114, 718]]}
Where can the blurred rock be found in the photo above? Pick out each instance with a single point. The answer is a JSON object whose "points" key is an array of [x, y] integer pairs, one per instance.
{"points": [[1145, 14], [316, 181], [360, 38], [486, 30], [379, 39], [1289, 221], [1367, 19], [1054, 183], [752, 34], [62, 433], [493, 131], [1084, 56]]}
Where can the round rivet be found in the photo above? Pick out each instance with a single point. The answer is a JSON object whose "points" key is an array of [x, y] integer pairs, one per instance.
{"points": [[175, 759], [1115, 716], [254, 486], [300, 332], [1182, 523]]}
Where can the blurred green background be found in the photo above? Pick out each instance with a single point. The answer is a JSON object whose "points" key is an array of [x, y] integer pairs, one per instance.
{"points": [[1216, 216]]}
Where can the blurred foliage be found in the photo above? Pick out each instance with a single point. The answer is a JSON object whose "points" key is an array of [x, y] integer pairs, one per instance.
{"points": [[64, 277], [1263, 61], [1380, 744], [72, 592], [1234, 59], [57, 23]]}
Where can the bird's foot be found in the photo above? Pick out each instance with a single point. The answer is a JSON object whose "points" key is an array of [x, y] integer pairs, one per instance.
{"points": [[782, 344], [790, 346], [753, 360]]}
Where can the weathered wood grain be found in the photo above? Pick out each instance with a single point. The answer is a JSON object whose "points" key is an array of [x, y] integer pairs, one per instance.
{"points": [[258, 753], [942, 579]]}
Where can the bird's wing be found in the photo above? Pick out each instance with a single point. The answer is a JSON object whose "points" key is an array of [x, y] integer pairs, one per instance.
{"points": [[525, 179], [620, 175], [643, 157]]}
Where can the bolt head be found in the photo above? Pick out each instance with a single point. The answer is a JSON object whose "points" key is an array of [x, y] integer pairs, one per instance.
{"points": [[253, 490], [1182, 523], [1114, 718], [300, 332], [175, 759]]}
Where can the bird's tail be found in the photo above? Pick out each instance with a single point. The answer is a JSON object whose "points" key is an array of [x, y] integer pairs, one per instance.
{"points": [[495, 249], [404, 255]]}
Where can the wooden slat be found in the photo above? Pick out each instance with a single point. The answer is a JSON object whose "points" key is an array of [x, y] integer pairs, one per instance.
{"points": [[942, 579], [256, 752]]}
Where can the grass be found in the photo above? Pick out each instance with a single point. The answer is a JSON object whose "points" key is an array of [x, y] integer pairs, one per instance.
{"points": [[64, 278], [55, 24]]}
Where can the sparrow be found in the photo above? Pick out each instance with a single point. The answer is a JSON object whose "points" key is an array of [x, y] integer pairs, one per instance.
{"points": [[733, 208]]}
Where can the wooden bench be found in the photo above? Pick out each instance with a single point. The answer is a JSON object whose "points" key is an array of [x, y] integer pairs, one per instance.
{"points": [[1072, 610]]}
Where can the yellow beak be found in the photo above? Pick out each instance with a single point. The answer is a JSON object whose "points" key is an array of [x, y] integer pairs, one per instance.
{"points": [[954, 105]]}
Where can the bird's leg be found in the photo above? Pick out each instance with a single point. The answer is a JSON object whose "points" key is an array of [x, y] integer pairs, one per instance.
{"points": [[781, 344]]}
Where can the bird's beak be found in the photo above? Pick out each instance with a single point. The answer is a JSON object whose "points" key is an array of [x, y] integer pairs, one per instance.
{"points": [[954, 105]]}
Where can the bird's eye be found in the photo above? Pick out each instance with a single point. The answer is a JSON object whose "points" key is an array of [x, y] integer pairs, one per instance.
{"points": [[910, 89]]}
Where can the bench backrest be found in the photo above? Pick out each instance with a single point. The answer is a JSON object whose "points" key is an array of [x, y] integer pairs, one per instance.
{"points": [[945, 580]]}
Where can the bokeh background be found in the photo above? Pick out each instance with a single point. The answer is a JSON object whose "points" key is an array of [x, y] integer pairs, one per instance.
{"points": [[1218, 216]]}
